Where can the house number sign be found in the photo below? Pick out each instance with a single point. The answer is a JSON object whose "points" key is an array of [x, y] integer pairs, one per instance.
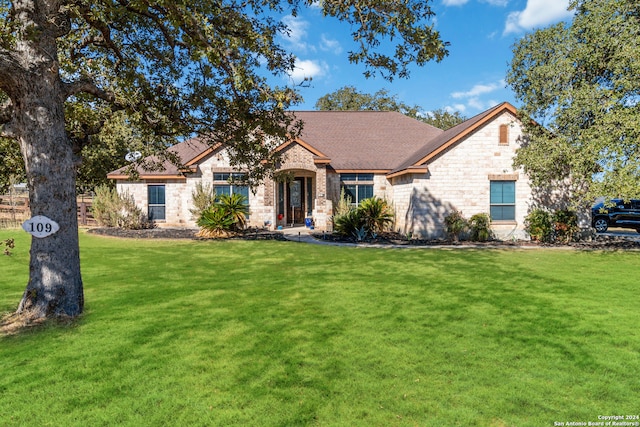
{"points": [[40, 226]]}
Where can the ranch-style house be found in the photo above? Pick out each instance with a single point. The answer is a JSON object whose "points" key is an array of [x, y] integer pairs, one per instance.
{"points": [[424, 172]]}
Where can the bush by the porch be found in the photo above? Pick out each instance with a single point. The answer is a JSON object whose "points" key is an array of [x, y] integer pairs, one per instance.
{"points": [[111, 209], [372, 217], [227, 216]]}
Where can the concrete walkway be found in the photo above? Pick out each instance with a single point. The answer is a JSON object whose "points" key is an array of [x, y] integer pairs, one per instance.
{"points": [[302, 234]]}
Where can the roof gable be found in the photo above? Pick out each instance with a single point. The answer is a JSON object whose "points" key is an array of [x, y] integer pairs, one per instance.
{"points": [[190, 153], [450, 137]]}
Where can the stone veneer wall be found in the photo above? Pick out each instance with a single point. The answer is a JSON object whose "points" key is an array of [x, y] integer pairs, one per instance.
{"points": [[460, 180], [299, 160], [261, 200], [457, 180], [176, 211]]}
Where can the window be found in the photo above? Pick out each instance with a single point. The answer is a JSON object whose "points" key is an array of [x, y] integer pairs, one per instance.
{"points": [[503, 200], [230, 183], [229, 177], [357, 186], [156, 194]]}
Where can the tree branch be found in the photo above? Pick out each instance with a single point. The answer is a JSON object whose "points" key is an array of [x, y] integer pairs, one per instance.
{"points": [[104, 30], [58, 22], [87, 85], [9, 69], [157, 19]]}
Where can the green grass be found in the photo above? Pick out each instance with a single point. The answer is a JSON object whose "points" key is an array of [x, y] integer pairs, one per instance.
{"points": [[237, 333]]}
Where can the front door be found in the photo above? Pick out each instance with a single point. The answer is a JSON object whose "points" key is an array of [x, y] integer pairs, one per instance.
{"points": [[296, 201]]}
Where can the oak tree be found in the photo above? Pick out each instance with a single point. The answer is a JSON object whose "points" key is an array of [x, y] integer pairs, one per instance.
{"points": [[348, 98], [581, 82], [175, 68], [443, 119]]}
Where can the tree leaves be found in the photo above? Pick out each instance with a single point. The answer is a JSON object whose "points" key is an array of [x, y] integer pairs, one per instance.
{"points": [[349, 99], [581, 81], [179, 68]]}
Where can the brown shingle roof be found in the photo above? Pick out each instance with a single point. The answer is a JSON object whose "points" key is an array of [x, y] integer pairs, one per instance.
{"points": [[188, 151], [381, 141], [364, 140]]}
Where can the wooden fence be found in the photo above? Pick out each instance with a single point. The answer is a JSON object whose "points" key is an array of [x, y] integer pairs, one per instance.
{"points": [[14, 210]]}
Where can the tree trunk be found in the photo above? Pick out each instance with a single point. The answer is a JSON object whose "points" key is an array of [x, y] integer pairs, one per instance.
{"points": [[55, 283]]}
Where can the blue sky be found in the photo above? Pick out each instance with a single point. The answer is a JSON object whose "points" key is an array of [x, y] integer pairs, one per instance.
{"points": [[471, 79]]}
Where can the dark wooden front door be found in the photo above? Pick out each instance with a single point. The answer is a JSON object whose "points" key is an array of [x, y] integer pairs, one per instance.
{"points": [[296, 208]]}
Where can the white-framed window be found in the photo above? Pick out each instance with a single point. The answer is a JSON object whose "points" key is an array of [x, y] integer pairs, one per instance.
{"points": [[357, 186], [156, 202], [230, 183], [503, 200]]}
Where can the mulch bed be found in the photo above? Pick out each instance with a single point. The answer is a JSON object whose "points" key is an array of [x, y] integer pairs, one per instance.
{"points": [[595, 242], [396, 239], [181, 233]]}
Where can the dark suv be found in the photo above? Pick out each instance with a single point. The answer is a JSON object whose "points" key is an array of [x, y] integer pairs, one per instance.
{"points": [[622, 214]]}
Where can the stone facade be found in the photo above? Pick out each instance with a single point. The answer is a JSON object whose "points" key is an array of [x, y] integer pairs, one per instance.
{"points": [[263, 204], [457, 178]]}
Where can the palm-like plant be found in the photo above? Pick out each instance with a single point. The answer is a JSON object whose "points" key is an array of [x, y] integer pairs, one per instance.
{"points": [[376, 213], [235, 207], [372, 216], [348, 223], [214, 222], [227, 215]]}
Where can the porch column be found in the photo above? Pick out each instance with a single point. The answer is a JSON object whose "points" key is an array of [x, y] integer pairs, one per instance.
{"points": [[323, 206]]}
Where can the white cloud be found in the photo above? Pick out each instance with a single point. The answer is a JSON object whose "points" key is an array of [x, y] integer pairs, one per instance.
{"points": [[537, 13], [297, 32], [308, 69], [500, 3], [456, 107], [475, 98], [454, 2], [330, 45], [479, 89]]}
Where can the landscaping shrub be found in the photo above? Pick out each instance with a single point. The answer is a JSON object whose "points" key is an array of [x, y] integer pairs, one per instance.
{"points": [[559, 226], [376, 214], [343, 204], [345, 219], [456, 225], [480, 227], [348, 224], [565, 224], [111, 209], [371, 217], [214, 222], [225, 217], [538, 224], [203, 198], [235, 205], [105, 206]]}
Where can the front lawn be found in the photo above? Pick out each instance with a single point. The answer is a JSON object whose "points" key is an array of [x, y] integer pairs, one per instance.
{"points": [[265, 333]]}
